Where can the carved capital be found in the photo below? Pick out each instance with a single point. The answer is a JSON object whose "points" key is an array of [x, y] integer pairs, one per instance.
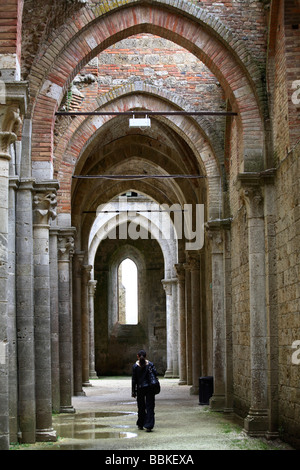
{"points": [[10, 121], [251, 187], [13, 104], [44, 206], [167, 285], [86, 272], [217, 239], [65, 246], [215, 233], [78, 259], [92, 288], [254, 201]]}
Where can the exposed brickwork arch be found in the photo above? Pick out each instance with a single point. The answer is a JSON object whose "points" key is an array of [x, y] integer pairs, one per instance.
{"points": [[88, 198], [97, 35], [67, 138], [61, 38], [187, 128], [11, 37]]}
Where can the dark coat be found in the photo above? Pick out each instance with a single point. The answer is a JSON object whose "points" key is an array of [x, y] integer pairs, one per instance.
{"points": [[140, 376]]}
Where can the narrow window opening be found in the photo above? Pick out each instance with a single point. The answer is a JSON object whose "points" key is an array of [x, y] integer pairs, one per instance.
{"points": [[128, 292]]}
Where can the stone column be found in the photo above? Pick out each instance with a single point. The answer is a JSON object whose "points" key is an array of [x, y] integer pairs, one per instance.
{"points": [[228, 319], [44, 204], [86, 270], [65, 249], [54, 231], [175, 328], [77, 323], [205, 317], [12, 331], [168, 290], [182, 323], [175, 314], [25, 311], [196, 333], [9, 123], [217, 401], [188, 323], [92, 290], [24, 278], [4, 386], [272, 306], [256, 423]]}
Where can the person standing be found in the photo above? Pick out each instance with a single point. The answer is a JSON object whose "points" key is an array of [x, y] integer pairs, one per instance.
{"points": [[143, 391]]}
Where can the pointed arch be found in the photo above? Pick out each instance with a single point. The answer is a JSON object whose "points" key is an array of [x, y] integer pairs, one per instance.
{"points": [[197, 33]]}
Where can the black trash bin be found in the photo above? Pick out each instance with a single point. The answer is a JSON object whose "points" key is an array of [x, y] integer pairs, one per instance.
{"points": [[206, 389]]}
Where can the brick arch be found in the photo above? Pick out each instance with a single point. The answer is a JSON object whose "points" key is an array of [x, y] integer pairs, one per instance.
{"points": [[88, 39], [180, 192], [139, 87], [89, 197], [188, 129], [61, 38]]}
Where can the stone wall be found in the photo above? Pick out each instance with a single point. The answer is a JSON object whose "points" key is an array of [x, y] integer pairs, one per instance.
{"points": [[278, 87], [288, 275], [246, 17], [292, 47], [64, 41], [156, 62], [240, 313], [116, 346]]}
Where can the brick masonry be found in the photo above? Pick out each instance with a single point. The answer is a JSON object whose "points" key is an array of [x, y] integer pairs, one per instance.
{"points": [[220, 62], [121, 55]]}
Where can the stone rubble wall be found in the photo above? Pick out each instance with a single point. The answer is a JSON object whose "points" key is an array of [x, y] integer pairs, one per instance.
{"points": [[287, 228]]}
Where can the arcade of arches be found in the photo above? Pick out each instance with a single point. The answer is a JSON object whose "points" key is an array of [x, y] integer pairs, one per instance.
{"points": [[82, 193]]}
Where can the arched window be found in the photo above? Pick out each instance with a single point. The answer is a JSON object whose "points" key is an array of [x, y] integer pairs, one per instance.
{"points": [[128, 292]]}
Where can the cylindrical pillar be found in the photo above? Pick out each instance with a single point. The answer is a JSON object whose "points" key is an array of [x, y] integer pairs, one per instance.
{"points": [[188, 323], [44, 203], [228, 321], [25, 311], [12, 331], [4, 384], [182, 324], [175, 327], [65, 248], [196, 333], [256, 423], [77, 323], [217, 401], [9, 122], [54, 319], [169, 320], [92, 289], [85, 326]]}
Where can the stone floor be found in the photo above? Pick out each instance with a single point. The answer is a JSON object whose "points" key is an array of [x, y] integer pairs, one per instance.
{"points": [[105, 419]]}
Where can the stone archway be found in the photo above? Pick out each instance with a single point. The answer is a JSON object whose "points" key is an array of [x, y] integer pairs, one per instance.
{"points": [[116, 344], [157, 332], [221, 58]]}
